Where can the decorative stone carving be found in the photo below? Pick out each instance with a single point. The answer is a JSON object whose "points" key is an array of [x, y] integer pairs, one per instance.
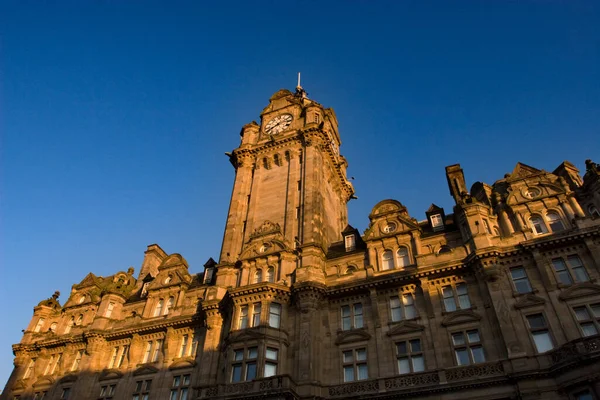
{"points": [[354, 388], [266, 228], [474, 371], [402, 382]]}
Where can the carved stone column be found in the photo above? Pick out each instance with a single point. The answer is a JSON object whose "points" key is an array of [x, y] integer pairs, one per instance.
{"points": [[308, 296], [211, 350]]}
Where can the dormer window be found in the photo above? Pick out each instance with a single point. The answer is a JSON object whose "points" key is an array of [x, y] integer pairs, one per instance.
{"points": [[208, 275], [350, 242], [437, 223]]}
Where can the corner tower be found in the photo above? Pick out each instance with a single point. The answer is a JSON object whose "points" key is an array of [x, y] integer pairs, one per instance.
{"points": [[290, 190]]}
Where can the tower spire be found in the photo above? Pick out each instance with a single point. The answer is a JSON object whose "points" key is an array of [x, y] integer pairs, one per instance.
{"points": [[299, 91]]}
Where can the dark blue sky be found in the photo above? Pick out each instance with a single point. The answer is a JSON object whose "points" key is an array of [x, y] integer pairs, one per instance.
{"points": [[114, 115]]}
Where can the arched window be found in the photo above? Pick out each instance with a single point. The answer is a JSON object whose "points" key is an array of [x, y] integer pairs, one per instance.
{"points": [[159, 307], [538, 225], [387, 260], [265, 163], [70, 325], [403, 259], [53, 327], [170, 304], [276, 160], [351, 269], [258, 276], [271, 274], [445, 249], [79, 320], [109, 309], [555, 222], [593, 210]]}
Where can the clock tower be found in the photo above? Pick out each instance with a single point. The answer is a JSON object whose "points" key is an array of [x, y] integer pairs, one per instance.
{"points": [[290, 192]]}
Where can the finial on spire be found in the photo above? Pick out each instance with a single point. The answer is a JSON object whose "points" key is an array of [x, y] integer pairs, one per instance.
{"points": [[299, 91]]}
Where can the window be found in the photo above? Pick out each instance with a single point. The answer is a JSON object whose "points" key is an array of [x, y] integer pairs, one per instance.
{"points": [[109, 310], [588, 317], [410, 356], [271, 274], [355, 365], [39, 325], [316, 118], [520, 280], [538, 225], [118, 356], [180, 387], [256, 314], [77, 360], [271, 358], [276, 160], [153, 350], [258, 276], [387, 260], [555, 222], [142, 390], [70, 325], [107, 391], [350, 242], [404, 309], [30, 368], [53, 327], [436, 222], [467, 347], [65, 393], [243, 319], [584, 395], [573, 269], [243, 367], [79, 321], [159, 307], [539, 333], [170, 304], [183, 350], [402, 255], [593, 210], [352, 317], [52, 364], [486, 225], [39, 395], [186, 349], [456, 298], [275, 315]]}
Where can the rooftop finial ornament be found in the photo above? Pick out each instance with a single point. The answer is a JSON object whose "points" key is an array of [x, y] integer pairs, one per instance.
{"points": [[299, 91]]}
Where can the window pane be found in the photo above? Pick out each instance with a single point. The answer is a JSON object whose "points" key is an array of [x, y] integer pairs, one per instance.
{"points": [[184, 394], [270, 369], [250, 371], [458, 338], [401, 348], [236, 373], [449, 304], [415, 345], [418, 364], [358, 321], [174, 394], [536, 321], [252, 352], [361, 355], [585, 395], [589, 329], [522, 286], [477, 353], [348, 373], [186, 380], [403, 366], [596, 310], [176, 381], [348, 356], [238, 355], [462, 357], [396, 314], [410, 311], [580, 274], [581, 313], [271, 353], [345, 311], [542, 341], [473, 336], [363, 373]]}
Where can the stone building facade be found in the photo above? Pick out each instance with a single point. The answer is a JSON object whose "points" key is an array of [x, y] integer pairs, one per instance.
{"points": [[498, 299]]}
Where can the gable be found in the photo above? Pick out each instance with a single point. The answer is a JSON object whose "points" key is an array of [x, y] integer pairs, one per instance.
{"points": [[355, 335], [580, 290], [522, 171], [405, 327], [529, 300], [460, 317]]}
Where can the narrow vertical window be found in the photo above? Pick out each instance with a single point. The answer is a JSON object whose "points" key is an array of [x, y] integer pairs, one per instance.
{"points": [[157, 350], [555, 222], [540, 333], [448, 295], [30, 367], [113, 357], [109, 310], [184, 346], [486, 225], [77, 361], [271, 274], [243, 320], [70, 324], [355, 365], [387, 260], [258, 276], [579, 272], [170, 304], [402, 256], [271, 357], [358, 315], [410, 356], [124, 354], [39, 325], [463, 296], [148, 352], [275, 315], [256, 314], [159, 308], [350, 242]]}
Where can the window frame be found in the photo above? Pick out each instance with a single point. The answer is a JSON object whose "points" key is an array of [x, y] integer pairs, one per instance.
{"points": [[457, 298], [142, 389], [592, 319], [275, 313], [538, 331], [402, 261], [354, 318], [570, 271], [180, 387], [401, 306], [516, 280], [468, 346], [410, 355], [555, 221], [354, 364], [536, 221], [387, 260]]}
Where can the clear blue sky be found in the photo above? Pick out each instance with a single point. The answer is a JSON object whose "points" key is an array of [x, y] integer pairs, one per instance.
{"points": [[114, 115]]}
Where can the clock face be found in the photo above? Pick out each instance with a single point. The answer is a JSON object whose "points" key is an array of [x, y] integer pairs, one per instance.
{"points": [[278, 124]]}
